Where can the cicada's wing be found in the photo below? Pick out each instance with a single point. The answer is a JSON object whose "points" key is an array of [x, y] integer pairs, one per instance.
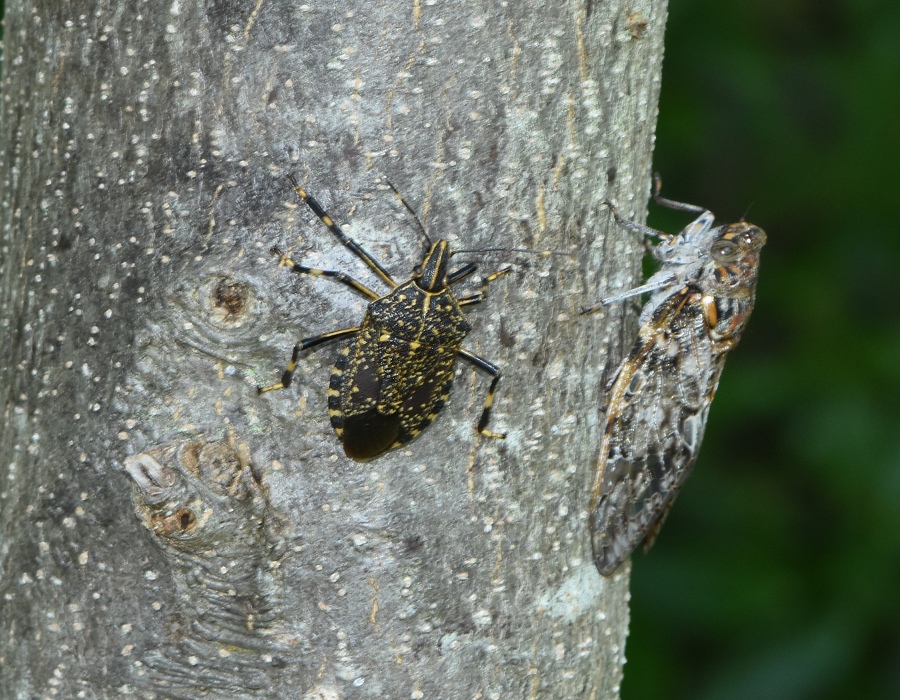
{"points": [[655, 422]]}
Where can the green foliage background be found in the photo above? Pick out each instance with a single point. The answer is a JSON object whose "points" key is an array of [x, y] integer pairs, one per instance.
{"points": [[777, 575]]}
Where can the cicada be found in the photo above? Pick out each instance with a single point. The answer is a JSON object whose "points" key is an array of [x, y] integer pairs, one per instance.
{"points": [[699, 303]]}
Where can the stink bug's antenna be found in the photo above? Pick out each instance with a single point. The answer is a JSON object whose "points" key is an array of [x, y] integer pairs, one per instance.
{"points": [[410, 210], [421, 226], [532, 251], [513, 250]]}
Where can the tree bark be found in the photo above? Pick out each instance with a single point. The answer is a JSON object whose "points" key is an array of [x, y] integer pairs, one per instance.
{"points": [[168, 533]]}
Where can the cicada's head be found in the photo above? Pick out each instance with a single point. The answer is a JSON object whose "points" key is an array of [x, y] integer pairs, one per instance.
{"points": [[734, 255]]}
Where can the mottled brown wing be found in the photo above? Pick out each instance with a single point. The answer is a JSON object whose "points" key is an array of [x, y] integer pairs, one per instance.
{"points": [[655, 421]]}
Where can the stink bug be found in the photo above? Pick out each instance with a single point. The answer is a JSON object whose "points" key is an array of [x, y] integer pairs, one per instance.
{"points": [[392, 381], [700, 301]]}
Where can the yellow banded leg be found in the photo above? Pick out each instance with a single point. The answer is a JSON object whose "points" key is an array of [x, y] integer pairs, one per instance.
{"points": [[337, 276], [298, 348], [345, 240], [461, 273], [489, 399], [482, 295]]}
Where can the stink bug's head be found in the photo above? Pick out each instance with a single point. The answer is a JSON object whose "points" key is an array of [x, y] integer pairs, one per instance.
{"points": [[431, 275], [735, 255]]}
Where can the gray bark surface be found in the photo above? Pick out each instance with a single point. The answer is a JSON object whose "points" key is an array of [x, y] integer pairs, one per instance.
{"points": [[164, 531]]}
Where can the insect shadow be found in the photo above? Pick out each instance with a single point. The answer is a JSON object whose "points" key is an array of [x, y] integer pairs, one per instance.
{"points": [[391, 382]]}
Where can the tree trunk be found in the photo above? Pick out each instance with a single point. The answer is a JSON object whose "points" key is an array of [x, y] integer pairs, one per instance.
{"points": [[168, 533]]}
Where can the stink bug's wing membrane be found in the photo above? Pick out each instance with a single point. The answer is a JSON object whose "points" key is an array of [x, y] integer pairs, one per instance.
{"points": [[364, 431], [657, 415]]}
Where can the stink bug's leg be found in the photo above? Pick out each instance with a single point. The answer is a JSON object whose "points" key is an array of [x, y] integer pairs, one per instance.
{"points": [[345, 240], [479, 297], [338, 276], [670, 204], [489, 399], [298, 348], [461, 273]]}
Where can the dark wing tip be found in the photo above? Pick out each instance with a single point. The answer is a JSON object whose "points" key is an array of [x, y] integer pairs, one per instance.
{"points": [[367, 435], [607, 558], [610, 541], [606, 567]]}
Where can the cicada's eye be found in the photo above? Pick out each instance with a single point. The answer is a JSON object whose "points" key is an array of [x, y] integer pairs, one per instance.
{"points": [[725, 251]]}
